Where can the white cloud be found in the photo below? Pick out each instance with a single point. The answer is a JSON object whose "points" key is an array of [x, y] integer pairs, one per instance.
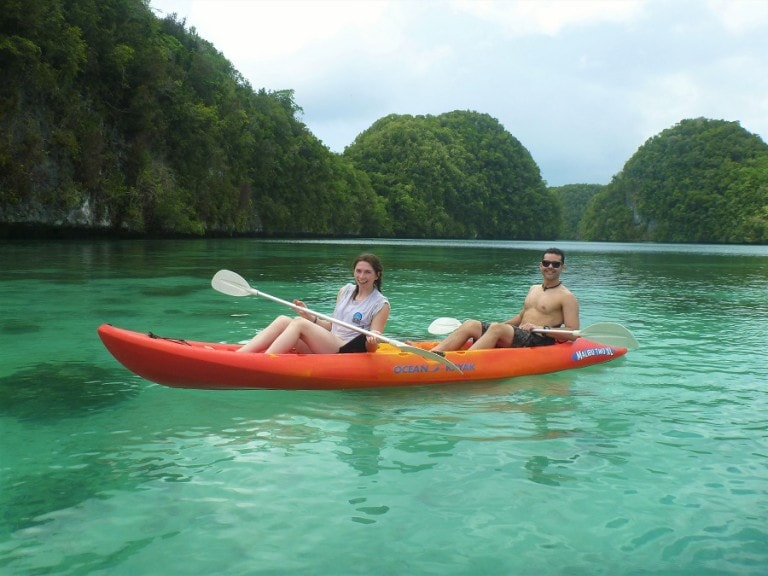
{"points": [[668, 100], [582, 84], [549, 17], [741, 16], [269, 30]]}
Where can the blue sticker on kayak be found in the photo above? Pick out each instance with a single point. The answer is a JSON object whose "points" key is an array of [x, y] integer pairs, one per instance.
{"points": [[591, 352]]}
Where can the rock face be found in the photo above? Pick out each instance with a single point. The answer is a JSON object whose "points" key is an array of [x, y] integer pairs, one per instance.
{"points": [[35, 213], [84, 215], [35, 219]]}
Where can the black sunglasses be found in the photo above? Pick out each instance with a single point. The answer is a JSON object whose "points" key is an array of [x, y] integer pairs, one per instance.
{"points": [[553, 263]]}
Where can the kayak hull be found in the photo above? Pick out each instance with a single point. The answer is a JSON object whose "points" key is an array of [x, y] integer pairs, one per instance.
{"points": [[204, 365]]}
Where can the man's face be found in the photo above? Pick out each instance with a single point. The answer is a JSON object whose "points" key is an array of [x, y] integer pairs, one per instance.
{"points": [[551, 266]]}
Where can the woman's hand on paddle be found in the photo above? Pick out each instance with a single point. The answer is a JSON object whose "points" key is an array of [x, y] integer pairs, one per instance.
{"points": [[304, 315], [372, 343]]}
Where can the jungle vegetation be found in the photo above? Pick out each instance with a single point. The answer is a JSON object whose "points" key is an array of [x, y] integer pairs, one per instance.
{"points": [[574, 200], [456, 175], [700, 181], [113, 118]]}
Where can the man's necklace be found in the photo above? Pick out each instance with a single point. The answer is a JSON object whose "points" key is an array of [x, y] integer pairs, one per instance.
{"points": [[545, 288]]}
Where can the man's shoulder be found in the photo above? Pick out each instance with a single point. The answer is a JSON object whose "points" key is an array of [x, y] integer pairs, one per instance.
{"points": [[568, 294]]}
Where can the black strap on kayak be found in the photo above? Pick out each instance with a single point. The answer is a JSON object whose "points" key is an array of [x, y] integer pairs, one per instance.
{"points": [[177, 340]]}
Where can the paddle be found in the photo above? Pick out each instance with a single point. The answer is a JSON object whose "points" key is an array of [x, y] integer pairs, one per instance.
{"points": [[232, 284], [603, 332]]}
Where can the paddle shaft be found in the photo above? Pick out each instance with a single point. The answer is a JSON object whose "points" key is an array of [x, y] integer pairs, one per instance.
{"points": [[558, 332], [607, 332], [446, 325], [322, 316]]}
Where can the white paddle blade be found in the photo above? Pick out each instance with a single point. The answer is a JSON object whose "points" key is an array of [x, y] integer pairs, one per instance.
{"points": [[230, 283], [442, 326], [610, 333]]}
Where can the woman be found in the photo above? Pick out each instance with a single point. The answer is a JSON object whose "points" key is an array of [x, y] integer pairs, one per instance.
{"points": [[361, 304]]}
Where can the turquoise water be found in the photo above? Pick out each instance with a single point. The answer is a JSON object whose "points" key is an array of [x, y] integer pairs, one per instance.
{"points": [[653, 464]]}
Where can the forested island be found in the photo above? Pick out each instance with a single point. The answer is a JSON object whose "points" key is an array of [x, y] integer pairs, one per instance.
{"points": [[117, 122]]}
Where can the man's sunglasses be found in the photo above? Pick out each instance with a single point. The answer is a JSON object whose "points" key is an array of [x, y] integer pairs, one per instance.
{"points": [[553, 263]]}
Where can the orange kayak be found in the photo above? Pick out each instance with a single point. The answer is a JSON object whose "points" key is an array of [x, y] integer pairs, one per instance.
{"points": [[182, 363]]}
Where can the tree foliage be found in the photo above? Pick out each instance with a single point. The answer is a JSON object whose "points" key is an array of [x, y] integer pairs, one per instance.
{"points": [[574, 200], [699, 181], [459, 174], [114, 116]]}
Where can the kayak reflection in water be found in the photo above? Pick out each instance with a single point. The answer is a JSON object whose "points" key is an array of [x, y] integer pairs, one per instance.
{"points": [[361, 304]]}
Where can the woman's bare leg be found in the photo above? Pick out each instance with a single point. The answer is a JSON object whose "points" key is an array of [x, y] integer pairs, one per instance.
{"points": [[266, 337], [305, 336]]}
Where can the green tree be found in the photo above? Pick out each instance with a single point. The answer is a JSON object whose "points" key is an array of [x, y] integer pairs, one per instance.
{"points": [[574, 200], [459, 175], [699, 181], [143, 126]]}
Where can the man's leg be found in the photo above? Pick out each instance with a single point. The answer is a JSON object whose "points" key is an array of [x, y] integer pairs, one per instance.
{"points": [[456, 339], [497, 336]]}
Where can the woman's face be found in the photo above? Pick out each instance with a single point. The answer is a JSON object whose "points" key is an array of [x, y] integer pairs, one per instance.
{"points": [[365, 274]]}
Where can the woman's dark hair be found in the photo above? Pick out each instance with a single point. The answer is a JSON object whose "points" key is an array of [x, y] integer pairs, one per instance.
{"points": [[556, 251], [375, 263]]}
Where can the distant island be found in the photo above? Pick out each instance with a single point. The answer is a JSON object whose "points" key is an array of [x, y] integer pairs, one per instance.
{"points": [[118, 123]]}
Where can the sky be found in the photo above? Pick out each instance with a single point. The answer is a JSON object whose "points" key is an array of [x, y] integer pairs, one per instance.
{"points": [[582, 84]]}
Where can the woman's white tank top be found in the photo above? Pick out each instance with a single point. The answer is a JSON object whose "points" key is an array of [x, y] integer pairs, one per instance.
{"points": [[360, 313]]}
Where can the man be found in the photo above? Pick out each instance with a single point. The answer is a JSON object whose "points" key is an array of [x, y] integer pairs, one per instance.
{"points": [[547, 305]]}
